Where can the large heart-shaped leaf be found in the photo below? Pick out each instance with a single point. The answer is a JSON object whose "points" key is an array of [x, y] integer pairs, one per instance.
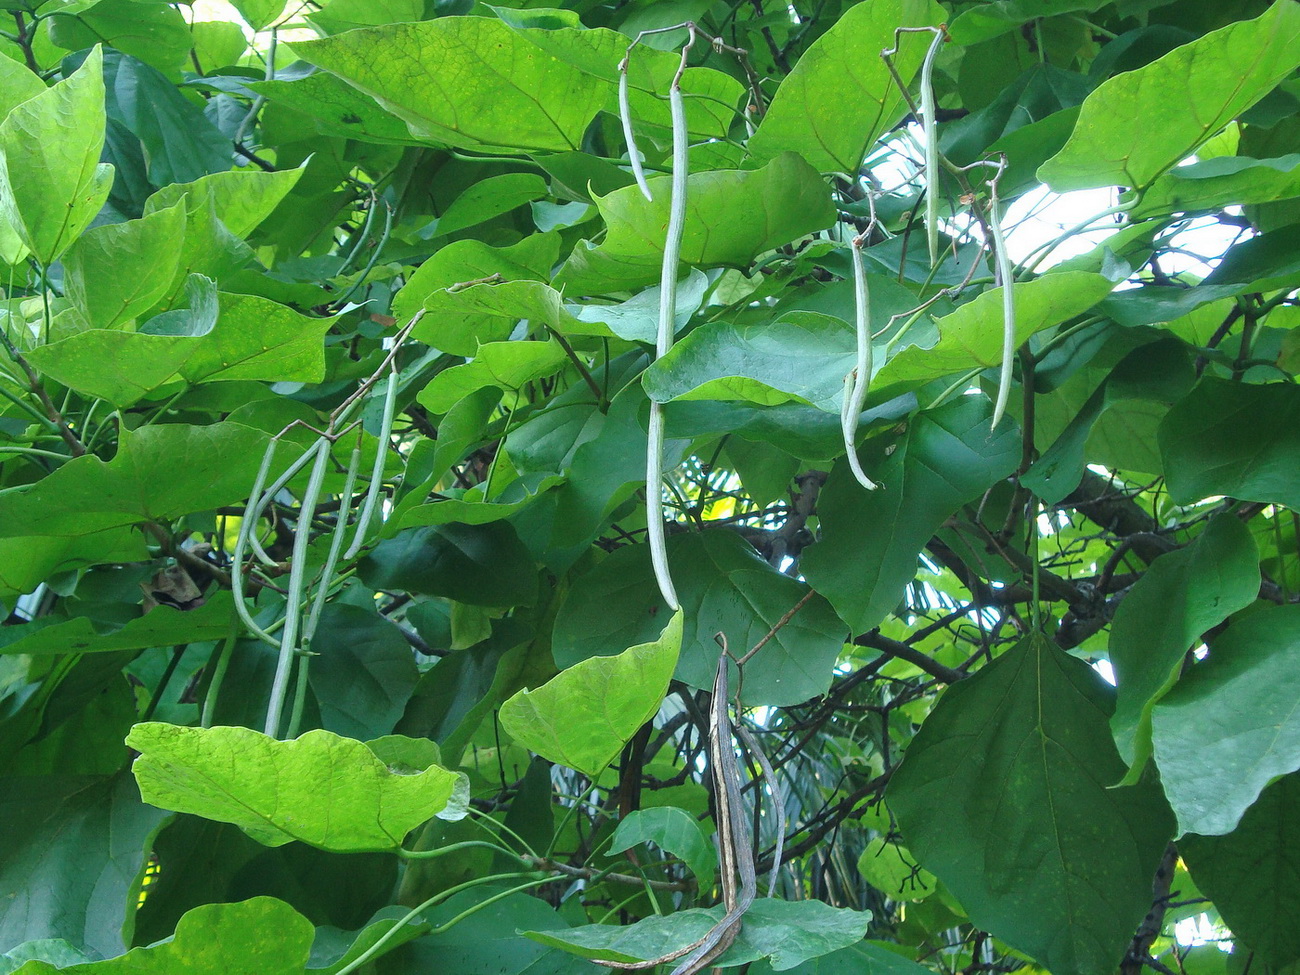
{"points": [[1253, 873], [51, 181], [724, 587], [871, 539], [262, 935], [507, 93], [1180, 597], [731, 217], [1183, 98], [844, 67], [584, 716], [1003, 795], [1231, 725], [331, 792]]}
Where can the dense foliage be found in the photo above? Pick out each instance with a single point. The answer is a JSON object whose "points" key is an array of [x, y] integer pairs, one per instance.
{"points": [[366, 413]]}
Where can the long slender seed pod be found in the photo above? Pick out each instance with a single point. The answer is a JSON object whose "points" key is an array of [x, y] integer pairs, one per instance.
{"points": [[246, 531], [336, 543], [778, 801], [224, 654], [257, 504], [931, 149], [297, 582], [625, 115], [855, 386], [376, 472], [1002, 265], [667, 325]]}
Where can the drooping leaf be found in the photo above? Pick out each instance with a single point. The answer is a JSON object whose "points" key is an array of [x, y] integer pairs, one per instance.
{"points": [[482, 565], [1180, 597], [180, 144], [1230, 725], [331, 792], [1002, 795], [1233, 439], [262, 935], [804, 358], [843, 67], [253, 338], [731, 217], [1183, 98], [583, 717], [674, 831], [51, 181], [364, 675], [972, 335], [787, 933], [508, 94], [161, 626], [155, 33], [71, 855], [1222, 180], [723, 586], [892, 870], [160, 472], [1253, 873], [117, 271], [508, 365], [871, 539]]}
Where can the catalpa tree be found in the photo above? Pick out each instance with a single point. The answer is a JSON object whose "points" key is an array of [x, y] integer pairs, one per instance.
{"points": [[687, 485]]}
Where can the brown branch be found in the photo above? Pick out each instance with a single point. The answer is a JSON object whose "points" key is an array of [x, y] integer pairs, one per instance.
{"points": [[901, 651]]}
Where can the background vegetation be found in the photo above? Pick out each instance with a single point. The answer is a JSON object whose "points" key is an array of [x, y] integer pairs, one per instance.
{"points": [[334, 343]]}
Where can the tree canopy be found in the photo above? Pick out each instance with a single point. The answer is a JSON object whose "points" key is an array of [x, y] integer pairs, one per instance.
{"points": [[510, 489]]}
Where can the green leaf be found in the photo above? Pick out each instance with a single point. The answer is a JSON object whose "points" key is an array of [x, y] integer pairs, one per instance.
{"points": [[1234, 439], [364, 675], [731, 217], [153, 32], [160, 627], [1182, 99], [1183, 594], [1251, 874], [724, 586], [17, 84], [871, 539], [259, 14], [71, 855], [340, 15], [463, 261], [843, 67], [1219, 181], [484, 939], [178, 141], [262, 935], [800, 356], [786, 932], [1230, 725], [337, 107], [482, 565], [863, 958], [1002, 795], [330, 792], [892, 870], [253, 338], [508, 365], [51, 181], [972, 335], [583, 717], [490, 198], [988, 20], [508, 94], [673, 830], [159, 473], [117, 271], [472, 509]]}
